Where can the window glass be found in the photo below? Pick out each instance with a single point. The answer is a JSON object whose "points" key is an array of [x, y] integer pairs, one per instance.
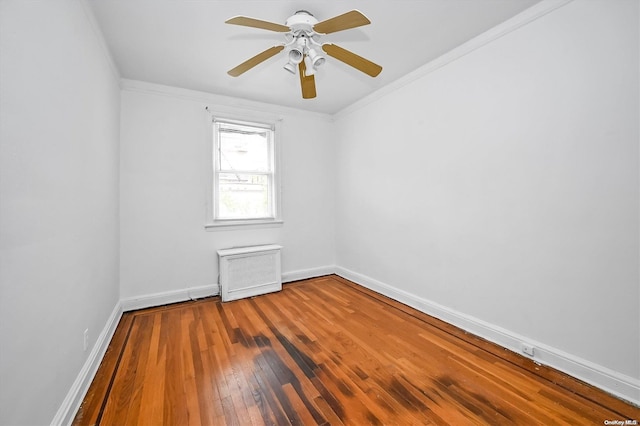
{"points": [[244, 151], [244, 171], [243, 196]]}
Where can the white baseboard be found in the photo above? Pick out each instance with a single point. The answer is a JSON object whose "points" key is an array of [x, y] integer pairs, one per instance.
{"points": [[174, 296], [303, 274], [72, 401], [613, 382], [167, 297]]}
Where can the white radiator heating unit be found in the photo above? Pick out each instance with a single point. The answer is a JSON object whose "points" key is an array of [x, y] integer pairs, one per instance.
{"points": [[249, 271]]}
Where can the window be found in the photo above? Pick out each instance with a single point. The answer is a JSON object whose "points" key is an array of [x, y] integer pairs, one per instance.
{"points": [[245, 183]]}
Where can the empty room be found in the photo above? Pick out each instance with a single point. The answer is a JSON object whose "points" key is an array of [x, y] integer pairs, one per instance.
{"points": [[318, 212]]}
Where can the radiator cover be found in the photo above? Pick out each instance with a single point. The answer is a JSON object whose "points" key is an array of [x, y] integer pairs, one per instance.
{"points": [[249, 271]]}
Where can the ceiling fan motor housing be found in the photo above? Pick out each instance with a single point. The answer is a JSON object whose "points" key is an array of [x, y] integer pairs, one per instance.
{"points": [[301, 22]]}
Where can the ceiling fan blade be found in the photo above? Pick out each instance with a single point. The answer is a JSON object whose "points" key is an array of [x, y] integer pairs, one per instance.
{"points": [[308, 82], [252, 62], [350, 58], [257, 23], [345, 21]]}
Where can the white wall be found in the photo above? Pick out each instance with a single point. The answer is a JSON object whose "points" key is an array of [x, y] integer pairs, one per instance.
{"points": [[164, 172], [504, 186], [59, 106]]}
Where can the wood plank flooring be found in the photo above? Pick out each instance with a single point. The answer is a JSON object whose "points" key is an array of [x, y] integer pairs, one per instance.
{"points": [[324, 351]]}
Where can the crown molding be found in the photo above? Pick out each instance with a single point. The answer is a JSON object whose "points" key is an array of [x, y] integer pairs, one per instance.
{"points": [[100, 38], [529, 15], [213, 100]]}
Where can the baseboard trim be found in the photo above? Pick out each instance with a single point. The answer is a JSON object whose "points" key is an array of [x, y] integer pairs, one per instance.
{"points": [[174, 296], [303, 274], [613, 382], [167, 297], [76, 394]]}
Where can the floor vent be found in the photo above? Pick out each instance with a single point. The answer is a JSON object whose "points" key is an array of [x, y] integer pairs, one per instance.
{"points": [[249, 271]]}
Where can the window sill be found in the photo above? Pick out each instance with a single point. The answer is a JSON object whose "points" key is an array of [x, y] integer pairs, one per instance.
{"points": [[229, 225]]}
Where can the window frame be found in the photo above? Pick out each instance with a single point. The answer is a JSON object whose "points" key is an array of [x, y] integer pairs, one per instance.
{"points": [[272, 124]]}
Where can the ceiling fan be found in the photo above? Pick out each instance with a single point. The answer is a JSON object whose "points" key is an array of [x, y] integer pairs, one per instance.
{"points": [[302, 32]]}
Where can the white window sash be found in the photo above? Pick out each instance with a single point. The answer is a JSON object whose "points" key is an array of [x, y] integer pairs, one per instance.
{"points": [[213, 221]]}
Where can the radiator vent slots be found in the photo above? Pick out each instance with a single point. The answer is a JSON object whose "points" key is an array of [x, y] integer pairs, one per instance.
{"points": [[249, 271]]}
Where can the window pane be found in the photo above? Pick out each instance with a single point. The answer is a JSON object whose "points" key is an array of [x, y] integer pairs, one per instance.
{"points": [[243, 196], [244, 150]]}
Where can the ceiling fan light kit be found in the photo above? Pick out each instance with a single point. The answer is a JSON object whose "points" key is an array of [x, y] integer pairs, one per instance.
{"points": [[296, 55], [290, 67], [310, 69], [305, 52]]}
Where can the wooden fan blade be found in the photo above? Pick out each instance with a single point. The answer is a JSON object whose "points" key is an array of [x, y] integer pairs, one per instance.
{"points": [[252, 62], [350, 58], [257, 23], [308, 82], [345, 21]]}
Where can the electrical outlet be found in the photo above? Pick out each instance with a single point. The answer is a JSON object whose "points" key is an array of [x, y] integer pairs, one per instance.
{"points": [[86, 339], [527, 349]]}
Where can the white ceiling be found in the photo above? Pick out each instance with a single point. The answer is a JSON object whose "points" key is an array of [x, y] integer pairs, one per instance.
{"points": [[186, 44]]}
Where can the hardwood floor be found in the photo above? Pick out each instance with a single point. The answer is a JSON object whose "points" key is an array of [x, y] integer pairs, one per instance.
{"points": [[324, 351]]}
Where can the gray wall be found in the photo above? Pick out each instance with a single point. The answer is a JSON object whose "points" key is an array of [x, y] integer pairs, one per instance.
{"points": [[59, 114]]}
